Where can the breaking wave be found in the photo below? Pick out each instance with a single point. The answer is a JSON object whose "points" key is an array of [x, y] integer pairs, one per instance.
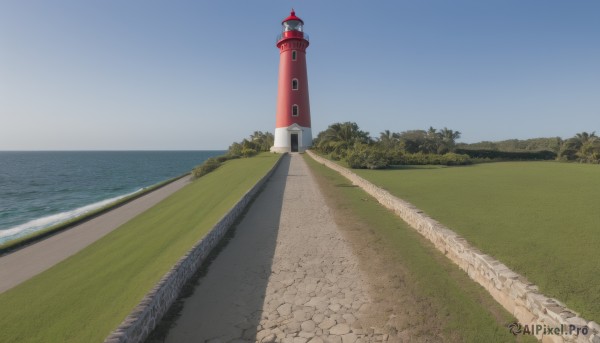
{"points": [[45, 222]]}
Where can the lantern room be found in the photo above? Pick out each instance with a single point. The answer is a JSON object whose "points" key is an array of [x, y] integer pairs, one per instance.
{"points": [[292, 27]]}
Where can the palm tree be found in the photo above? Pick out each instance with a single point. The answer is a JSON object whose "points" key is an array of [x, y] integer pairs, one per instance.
{"points": [[584, 137], [269, 141], [589, 147], [263, 141], [413, 141], [448, 140], [256, 135], [432, 141], [584, 147], [388, 139], [339, 137]]}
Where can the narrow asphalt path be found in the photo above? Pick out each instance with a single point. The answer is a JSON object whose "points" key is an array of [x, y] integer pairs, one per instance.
{"points": [[25, 263], [287, 275]]}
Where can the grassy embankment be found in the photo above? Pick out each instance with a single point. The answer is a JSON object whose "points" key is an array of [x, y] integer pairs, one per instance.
{"points": [[539, 218], [439, 299], [85, 297], [54, 229]]}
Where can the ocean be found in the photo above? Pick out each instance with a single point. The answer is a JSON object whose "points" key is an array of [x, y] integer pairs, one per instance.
{"points": [[39, 189]]}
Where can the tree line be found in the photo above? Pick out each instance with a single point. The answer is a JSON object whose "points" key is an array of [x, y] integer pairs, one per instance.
{"points": [[584, 147], [346, 141]]}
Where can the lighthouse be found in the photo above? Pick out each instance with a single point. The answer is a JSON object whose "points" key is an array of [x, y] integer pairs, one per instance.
{"points": [[292, 124]]}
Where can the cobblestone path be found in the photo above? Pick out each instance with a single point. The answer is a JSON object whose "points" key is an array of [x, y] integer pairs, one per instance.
{"points": [[287, 275]]}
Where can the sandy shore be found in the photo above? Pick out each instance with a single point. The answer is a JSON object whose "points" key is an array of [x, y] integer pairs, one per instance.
{"points": [[25, 263]]}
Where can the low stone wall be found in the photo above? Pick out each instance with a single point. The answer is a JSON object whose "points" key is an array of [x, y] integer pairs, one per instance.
{"points": [[144, 317], [517, 295]]}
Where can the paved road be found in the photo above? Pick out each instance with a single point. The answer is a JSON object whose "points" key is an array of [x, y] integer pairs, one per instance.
{"points": [[25, 263], [287, 275]]}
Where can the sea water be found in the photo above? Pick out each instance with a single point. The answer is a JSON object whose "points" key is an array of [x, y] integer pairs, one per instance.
{"points": [[39, 189]]}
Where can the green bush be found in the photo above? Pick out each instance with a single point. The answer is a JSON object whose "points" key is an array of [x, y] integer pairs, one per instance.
{"points": [[335, 156], [258, 141], [206, 167], [394, 156], [226, 157], [454, 159], [247, 152], [448, 159], [366, 157], [509, 155], [418, 158], [363, 156], [235, 149], [223, 158]]}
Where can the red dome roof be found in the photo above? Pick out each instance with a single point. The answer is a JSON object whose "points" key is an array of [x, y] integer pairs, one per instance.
{"points": [[292, 17]]}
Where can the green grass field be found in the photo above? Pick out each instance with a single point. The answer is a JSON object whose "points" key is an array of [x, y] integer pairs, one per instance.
{"points": [[445, 298], [542, 219], [85, 297]]}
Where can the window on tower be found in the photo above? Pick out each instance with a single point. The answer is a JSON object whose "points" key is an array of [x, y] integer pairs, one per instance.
{"points": [[295, 84], [294, 55], [295, 110]]}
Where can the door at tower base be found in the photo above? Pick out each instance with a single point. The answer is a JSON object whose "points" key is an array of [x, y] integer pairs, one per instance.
{"points": [[293, 138]]}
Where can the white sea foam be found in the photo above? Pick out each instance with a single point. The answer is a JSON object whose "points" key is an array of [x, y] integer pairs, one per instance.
{"points": [[45, 222]]}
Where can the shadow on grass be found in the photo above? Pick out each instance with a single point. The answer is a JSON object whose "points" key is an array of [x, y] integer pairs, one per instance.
{"points": [[224, 299]]}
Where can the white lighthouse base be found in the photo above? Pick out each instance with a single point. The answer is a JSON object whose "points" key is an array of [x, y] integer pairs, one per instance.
{"points": [[293, 138]]}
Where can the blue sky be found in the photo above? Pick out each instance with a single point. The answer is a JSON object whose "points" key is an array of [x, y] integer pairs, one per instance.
{"points": [[166, 75]]}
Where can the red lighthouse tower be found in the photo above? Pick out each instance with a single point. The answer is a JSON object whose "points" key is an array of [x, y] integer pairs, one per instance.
{"points": [[292, 127]]}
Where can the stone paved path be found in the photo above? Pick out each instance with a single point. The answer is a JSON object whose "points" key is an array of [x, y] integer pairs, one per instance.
{"points": [[287, 275]]}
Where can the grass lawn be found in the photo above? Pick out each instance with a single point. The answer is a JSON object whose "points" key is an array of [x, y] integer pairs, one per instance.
{"points": [[446, 298], [542, 219], [85, 297]]}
